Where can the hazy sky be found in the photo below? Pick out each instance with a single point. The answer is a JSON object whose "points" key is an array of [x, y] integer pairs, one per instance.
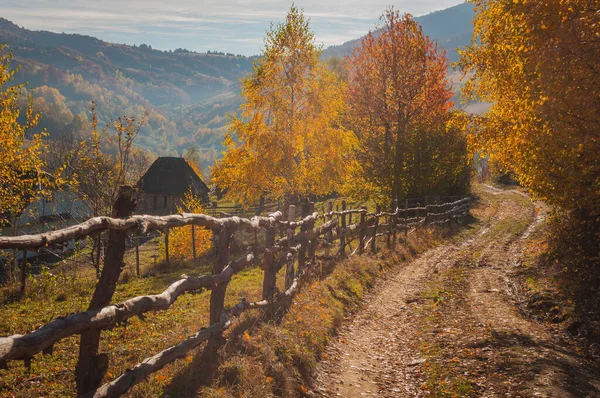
{"points": [[236, 26]]}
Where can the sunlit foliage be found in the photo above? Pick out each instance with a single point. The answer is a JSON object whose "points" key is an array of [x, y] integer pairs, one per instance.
{"points": [[538, 63], [399, 101], [288, 140]]}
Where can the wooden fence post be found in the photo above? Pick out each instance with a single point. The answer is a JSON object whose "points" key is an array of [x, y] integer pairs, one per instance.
{"points": [[363, 230], [312, 248], [92, 366], [374, 239], [405, 219], [270, 276], [343, 238], [394, 220], [304, 244], [217, 295], [167, 246], [289, 272], [388, 239], [137, 255], [193, 242], [329, 234], [427, 221], [23, 270], [98, 252]]}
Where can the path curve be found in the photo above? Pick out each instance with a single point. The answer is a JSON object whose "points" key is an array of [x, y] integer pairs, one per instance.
{"points": [[385, 350]]}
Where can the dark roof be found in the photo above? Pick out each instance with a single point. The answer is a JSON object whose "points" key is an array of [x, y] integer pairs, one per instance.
{"points": [[171, 176]]}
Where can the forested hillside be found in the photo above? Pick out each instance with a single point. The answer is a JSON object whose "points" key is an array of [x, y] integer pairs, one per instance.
{"points": [[186, 94]]}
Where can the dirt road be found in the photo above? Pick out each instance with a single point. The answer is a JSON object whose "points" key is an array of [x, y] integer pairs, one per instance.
{"points": [[448, 323]]}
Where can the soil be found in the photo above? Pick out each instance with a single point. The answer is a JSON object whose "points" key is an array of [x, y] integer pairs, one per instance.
{"points": [[449, 324]]}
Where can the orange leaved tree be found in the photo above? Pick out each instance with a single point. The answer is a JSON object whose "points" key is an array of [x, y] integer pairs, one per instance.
{"points": [[538, 63], [397, 87]]}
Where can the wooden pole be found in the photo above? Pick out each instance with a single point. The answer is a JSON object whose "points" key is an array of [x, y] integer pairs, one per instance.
{"points": [[167, 246], [270, 276], [312, 248], [405, 218], [217, 294], [394, 221], [363, 230], [98, 250], [427, 211], [388, 240], [304, 244], [137, 255], [289, 272], [23, 270], [343, 238], [92, 366], [193, 242], [374, 239], [329, 234]]}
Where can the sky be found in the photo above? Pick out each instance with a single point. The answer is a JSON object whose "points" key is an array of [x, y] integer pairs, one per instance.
{"points": [[236, 26]]}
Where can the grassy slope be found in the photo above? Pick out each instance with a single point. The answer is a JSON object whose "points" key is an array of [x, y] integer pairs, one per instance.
{"points": [[294, 344]]}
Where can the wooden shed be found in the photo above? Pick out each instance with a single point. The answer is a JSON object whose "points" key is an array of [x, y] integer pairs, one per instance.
{"points": [[165, 183]]}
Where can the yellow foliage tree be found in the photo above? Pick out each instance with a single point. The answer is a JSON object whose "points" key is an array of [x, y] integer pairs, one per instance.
{"points": [[538, 63], [181, 243], [23, 179], [288, 141]]}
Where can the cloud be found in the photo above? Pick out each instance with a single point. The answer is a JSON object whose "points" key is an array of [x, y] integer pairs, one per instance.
{"points": [[236, 26]]}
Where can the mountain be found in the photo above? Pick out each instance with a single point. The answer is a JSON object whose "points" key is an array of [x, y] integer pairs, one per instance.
{"points": [[451, 27], [186, 94]]}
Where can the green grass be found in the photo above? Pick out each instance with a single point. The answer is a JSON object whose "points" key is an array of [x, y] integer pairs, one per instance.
{"points": [[67, 290], [282, 353]]}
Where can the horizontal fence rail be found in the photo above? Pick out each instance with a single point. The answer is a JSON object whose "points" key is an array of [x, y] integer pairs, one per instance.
{"points": [[295, 249]]}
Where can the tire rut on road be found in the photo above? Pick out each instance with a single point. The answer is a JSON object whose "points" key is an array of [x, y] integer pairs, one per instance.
{"points": [[379, 351]]}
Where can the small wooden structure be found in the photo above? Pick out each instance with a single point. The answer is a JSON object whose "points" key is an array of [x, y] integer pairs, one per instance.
{"points": [[164, 185]]}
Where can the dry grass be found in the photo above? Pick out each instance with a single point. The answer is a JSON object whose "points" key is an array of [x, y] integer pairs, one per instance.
{"points": [[266, 355], [278, 357]]}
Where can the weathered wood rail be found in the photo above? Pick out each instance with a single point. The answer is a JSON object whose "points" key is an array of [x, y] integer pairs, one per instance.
{"points": [[295, 250]]}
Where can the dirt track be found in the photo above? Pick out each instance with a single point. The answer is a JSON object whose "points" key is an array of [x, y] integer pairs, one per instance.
{"points": [[448, 324]]}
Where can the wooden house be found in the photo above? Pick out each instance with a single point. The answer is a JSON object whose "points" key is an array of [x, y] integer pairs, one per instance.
{"points": [[164, 185]]}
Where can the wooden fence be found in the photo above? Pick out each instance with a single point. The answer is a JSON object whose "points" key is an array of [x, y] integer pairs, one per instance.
{"points": [[291, 244]]}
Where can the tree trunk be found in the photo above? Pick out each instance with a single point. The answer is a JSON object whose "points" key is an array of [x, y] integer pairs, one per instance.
{"points": [[92, 366]]}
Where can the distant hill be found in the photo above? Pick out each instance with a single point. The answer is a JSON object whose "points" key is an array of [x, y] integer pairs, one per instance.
{"points": [[186, 94], [451, 27]]}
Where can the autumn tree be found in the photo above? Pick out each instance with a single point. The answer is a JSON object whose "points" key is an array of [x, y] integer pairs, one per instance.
{"points": [[187, 242], [23, 178], [193, 157], [538, 63], [288, 141], [100, 171], [398, 95]]}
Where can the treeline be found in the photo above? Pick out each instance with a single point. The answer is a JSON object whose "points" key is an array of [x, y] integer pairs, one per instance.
{"points": [[376, 125]]}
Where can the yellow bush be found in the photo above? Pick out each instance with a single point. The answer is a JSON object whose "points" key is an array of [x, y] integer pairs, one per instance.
{"points": [[180, 239]]}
